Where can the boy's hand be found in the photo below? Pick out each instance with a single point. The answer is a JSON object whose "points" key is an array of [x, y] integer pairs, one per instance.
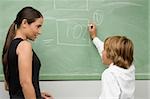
{"points": [[92, 30]]}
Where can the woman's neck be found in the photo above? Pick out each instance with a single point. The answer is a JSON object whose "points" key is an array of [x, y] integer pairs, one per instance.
{"points": [[20, 34]]}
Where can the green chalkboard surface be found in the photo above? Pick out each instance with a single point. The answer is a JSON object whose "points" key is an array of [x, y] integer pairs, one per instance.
{"points": [[64, 47]]}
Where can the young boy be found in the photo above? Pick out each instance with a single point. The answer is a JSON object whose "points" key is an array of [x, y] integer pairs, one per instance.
{"points": [[118, 80]]}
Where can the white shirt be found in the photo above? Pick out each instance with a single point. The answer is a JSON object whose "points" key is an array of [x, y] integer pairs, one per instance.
{"points": [[117, 83]]}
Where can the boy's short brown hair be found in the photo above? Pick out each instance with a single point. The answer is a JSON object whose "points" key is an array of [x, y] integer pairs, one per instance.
{"points": [[120, 50]]}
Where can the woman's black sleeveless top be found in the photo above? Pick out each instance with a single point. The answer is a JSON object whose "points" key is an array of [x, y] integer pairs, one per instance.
{"points": [[15, 90]]}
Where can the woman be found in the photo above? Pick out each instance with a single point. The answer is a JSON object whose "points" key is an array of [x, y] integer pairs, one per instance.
{"points": [[21, 65]]}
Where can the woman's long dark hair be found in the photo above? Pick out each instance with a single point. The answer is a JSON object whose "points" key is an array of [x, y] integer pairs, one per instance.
{"points": [[28, 13]]}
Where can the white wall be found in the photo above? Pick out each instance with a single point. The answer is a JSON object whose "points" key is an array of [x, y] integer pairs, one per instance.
{"points": [[81, 89]]}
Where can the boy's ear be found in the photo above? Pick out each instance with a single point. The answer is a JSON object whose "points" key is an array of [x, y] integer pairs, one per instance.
{"points": [[24, 22]]}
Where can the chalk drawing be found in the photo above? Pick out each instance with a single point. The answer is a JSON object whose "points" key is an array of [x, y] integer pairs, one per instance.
{"points": [[74, 34], [71, 5]]}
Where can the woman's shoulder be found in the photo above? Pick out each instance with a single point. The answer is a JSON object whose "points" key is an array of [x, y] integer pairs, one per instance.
{"points": [[24, 46]]}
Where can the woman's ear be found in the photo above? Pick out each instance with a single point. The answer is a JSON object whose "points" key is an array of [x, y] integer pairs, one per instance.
{"points": [[24, 22]]}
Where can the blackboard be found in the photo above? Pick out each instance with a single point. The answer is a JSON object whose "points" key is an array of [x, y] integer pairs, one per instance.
{"points": [[64, 47]]}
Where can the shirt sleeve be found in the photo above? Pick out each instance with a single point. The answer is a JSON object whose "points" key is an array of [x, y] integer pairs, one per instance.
{"points": [[110, 87], [99, 45]]}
